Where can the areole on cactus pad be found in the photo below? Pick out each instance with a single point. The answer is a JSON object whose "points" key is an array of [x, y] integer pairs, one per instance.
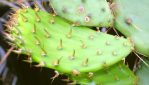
{"points": [[54, 43]]}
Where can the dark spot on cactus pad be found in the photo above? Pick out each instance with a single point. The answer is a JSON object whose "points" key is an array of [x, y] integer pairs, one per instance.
{"points": [[103, 10], [128, 21], [81, 9], [83, 1]]}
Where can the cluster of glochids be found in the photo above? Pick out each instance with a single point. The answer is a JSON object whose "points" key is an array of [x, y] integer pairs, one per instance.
{"points": [[84, 55]]}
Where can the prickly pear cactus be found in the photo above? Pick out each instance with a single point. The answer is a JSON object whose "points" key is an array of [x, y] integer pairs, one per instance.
{"points": [[117, 74], [132, 20], [56, 44], [84, 12]]}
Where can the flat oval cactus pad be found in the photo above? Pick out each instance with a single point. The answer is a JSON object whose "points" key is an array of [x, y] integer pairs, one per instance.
{"points": [[56, 44]]}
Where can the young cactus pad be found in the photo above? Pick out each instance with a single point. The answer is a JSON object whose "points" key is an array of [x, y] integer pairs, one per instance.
{"points": [[56, 44], [132, 20], [117, 74], [84, 12]]}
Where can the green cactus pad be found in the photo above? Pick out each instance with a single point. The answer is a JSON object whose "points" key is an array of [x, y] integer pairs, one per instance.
{"points": [[84, 12], [56, 44], [132, 20], [117, 74], [143, 73]]}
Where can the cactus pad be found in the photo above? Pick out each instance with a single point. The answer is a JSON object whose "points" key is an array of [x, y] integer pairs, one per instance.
{"points": [[132, 20], [84, 12], [117, 74], [143, 73], [54, 43]]}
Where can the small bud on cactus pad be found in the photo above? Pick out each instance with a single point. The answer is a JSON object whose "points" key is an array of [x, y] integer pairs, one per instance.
{"points": [[56, 44], [84, 12], [132, 20]]}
